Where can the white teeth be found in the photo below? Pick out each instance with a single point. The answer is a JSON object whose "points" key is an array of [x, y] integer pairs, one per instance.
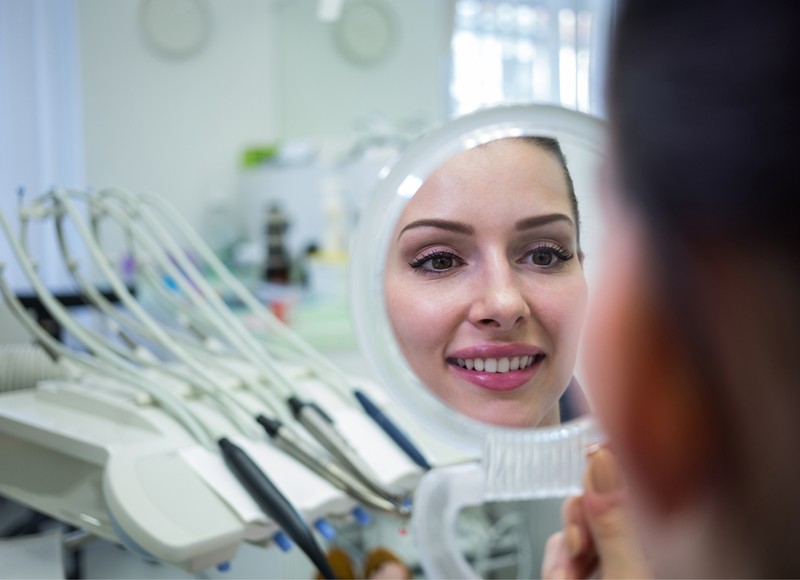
{"points": [[495, 365]]}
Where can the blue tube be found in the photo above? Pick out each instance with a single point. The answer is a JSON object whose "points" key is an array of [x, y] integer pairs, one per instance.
{"points": [[392, 430]]}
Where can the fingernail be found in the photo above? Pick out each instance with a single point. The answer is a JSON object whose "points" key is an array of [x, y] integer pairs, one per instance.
{"points": [[604, 474], [574, 539]]}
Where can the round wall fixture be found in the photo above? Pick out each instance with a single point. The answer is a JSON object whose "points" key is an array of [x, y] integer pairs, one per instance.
{"points": [[365, 31], [175, 29]]}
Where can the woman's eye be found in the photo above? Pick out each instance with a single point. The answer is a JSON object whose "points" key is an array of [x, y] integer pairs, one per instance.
{"points": [[441, 262], [543, 257], [548, 257], [437, 262]]}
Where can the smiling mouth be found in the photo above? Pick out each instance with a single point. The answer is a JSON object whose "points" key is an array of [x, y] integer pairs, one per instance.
{"points": [[497, 365]]}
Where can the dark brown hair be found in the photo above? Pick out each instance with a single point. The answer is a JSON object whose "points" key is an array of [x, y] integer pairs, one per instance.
{"points": [[704, 114]]}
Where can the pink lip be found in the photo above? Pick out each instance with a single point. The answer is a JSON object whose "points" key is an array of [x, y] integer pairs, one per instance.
{"points": [[499, 382]]}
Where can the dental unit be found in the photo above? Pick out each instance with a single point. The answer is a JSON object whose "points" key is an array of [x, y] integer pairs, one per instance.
{"points": [[266, 494], [150, 206], [231, 331], [226, 367], [125, 417]]}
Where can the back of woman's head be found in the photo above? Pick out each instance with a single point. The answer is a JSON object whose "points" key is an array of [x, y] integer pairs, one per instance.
{"points": [[704, 104], [705, 115]]}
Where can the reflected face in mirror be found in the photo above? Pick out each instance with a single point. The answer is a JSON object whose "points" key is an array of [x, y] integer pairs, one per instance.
{"points": [[484, 284]]}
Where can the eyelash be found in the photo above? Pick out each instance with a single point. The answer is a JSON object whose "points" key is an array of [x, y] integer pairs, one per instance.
{"points": [[418, 264], [561, 253]]}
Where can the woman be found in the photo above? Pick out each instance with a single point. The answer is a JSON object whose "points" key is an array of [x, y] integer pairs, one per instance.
{"points": [[484, 283], [694, 341]]}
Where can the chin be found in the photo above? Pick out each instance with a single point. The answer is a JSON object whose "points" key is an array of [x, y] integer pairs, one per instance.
{"points": [[500, 419]]}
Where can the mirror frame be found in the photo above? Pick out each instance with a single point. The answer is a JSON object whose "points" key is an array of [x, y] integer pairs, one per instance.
{"points": [[371, 242]]}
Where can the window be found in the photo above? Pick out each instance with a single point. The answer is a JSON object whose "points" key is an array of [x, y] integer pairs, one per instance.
{"points": [[42, 143], [513, 51]]}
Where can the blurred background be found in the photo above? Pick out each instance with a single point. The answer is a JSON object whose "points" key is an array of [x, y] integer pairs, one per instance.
{"points": [[243, 113]]}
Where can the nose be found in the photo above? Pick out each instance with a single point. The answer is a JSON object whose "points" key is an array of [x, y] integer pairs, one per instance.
{"points": [[500, 302]]}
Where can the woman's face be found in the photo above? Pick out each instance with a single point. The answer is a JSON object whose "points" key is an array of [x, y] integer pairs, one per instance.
{"points": [[484, 285]]}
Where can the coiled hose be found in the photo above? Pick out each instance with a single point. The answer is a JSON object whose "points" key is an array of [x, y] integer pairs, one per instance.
{"points": [[22, 366]]}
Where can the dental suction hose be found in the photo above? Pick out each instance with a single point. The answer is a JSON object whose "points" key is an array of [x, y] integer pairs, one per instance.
{"points": [[22, 366], [274, 503]]}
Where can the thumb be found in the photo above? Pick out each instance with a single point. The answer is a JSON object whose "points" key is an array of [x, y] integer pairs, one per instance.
{"points": [[608, 516]]}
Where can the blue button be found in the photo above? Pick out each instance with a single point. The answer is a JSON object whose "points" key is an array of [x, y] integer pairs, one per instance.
{"points": [[283, 541], [361, 515], [325, 528]]}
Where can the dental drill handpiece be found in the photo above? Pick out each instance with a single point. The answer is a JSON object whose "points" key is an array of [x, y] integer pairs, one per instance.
{"points": [[325, 467], [400, 438], [321, 426]]}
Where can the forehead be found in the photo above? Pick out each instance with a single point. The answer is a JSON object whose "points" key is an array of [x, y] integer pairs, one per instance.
{"points": [[506, 178]]}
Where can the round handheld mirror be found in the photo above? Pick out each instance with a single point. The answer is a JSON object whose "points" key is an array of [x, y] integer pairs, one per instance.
{"points": [[470, 274]]}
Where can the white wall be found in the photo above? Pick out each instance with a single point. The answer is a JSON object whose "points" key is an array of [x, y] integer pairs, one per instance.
{"points": [[177, 127], [269, 74], [325, 94]]}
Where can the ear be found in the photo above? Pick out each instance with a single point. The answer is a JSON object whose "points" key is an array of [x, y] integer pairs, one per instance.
{"points": [[665, 423]]}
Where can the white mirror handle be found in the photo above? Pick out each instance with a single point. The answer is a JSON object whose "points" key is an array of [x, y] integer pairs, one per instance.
{"points": [[543, 463], [440, 496]]}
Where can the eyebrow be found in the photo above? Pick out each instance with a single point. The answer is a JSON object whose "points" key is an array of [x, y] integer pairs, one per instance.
{"points": [[462, 228], [451, 226], [541, 220]]}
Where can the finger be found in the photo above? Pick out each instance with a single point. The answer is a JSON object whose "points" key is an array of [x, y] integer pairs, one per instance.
{"points": [[558, 564], [556, 558], [605, 508], [576, 528]]}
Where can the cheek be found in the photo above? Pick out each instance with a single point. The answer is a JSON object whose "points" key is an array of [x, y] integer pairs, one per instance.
{"points": [[562, 310], [421, 317]]}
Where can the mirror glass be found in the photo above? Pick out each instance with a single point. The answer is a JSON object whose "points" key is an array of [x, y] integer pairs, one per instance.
{"points": [[484, 285], [490, 243]]}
